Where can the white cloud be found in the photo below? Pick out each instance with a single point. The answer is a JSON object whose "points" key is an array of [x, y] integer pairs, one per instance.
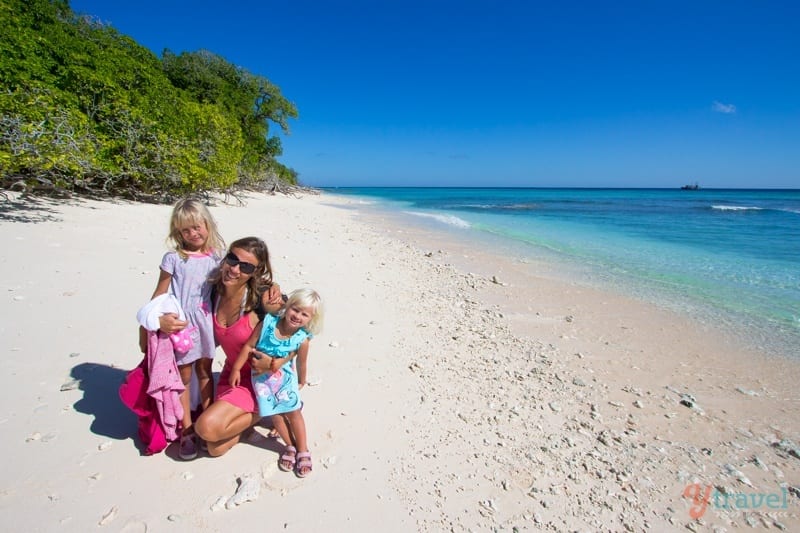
{"points": [[719, 107]]}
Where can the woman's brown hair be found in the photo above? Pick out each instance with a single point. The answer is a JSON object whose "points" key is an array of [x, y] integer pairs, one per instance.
{"points": [[260, 280]]}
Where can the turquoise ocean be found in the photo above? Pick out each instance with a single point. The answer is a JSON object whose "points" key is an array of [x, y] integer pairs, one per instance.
{"points": [[730, 258]]}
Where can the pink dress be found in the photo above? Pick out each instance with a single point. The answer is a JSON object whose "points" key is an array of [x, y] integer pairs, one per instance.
{"points": [[232, 339]]}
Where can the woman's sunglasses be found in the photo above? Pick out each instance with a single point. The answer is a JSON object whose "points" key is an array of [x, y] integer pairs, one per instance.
{"points": [[244, 267]]}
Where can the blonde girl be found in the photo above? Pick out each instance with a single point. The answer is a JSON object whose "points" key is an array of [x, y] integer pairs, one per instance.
{"points": [[196, 249], [278, 392]]}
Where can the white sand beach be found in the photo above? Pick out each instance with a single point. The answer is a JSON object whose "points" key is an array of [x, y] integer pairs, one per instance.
{"points": [[452, 390]]}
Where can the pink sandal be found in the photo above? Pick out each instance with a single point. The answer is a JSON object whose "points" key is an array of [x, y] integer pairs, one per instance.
{"points": [[303, 466], [287, 461]]}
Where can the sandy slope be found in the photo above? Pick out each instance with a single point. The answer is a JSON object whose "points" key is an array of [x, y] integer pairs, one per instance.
{"points": [[445, 400]]}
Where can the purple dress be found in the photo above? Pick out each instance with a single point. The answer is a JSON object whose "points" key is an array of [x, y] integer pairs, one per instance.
{"points": [[191, 287]]}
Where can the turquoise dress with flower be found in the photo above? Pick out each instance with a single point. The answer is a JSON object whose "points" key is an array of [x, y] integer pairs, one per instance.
{"points": [[278, 392]]}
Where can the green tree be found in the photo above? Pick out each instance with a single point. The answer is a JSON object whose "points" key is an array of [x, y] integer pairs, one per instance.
{"points": [[252, 101], [86, 109]]}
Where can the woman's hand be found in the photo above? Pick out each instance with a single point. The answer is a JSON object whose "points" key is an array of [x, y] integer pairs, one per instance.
{"points": [[235, 377], [260, 362], [170, 323], [272, 299], [276, 363], [274, 295]]}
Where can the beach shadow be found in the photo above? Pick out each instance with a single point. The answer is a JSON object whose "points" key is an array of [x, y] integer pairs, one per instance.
{"points": [[260, 440], [30, 209], [100, 386]]}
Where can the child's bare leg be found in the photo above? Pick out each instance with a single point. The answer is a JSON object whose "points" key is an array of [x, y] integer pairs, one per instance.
{"points": [[279, 423], [205, 381], [186, 377], [286, 461], [297, 428]]}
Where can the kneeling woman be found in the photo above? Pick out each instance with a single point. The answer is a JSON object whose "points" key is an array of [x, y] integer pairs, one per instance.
{"points": [[245, 274]]}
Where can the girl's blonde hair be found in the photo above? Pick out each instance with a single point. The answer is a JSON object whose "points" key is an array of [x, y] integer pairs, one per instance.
{"points": [[308, 298], [189, 211]]}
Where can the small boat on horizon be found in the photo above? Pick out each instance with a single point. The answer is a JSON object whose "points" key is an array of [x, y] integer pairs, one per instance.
{"points": [[691, 187]]}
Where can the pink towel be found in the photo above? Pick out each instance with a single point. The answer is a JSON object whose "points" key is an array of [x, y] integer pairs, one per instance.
{"points": [[133, 393], [165, 384]]}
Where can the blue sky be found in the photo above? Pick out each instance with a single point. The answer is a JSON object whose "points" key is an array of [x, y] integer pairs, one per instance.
{"points": [[511, 93]]}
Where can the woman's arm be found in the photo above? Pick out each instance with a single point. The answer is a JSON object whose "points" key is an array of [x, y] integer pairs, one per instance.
{"points": [[276, 363], [261, 363], [272, 299]]}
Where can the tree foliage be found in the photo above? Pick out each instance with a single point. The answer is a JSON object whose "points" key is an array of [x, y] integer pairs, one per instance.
{"points": [[85, 109]]}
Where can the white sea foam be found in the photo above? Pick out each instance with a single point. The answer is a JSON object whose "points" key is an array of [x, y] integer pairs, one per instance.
{"points": [[752, 208], [474, 206], [499, 207], [736, 208], [450, 220]]}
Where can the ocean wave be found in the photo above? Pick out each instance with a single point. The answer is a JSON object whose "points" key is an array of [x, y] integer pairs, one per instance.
{"points": [[754, 208], [736, 208], [516, 207], [470, 206], [498, 207], [450, 220]]}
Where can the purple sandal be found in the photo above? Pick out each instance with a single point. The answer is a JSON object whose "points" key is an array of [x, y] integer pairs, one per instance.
{"points": [[303, 466], [287, 461]]}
